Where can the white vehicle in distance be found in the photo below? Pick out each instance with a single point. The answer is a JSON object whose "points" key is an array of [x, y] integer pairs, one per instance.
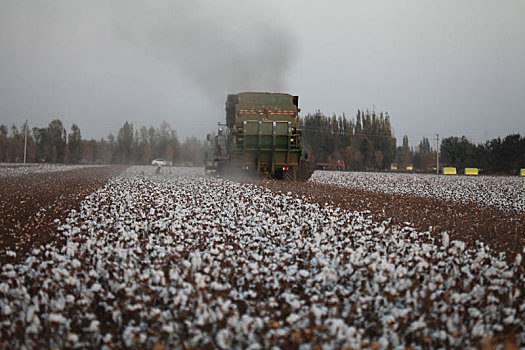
{"points": [[160, 162]]}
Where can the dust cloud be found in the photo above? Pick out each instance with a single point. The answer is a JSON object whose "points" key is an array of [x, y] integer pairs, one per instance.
{"points": [[220, 46]]}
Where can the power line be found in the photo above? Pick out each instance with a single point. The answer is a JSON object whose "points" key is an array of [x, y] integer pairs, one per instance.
{"points": [[339, 132], [437, 154], [25, 143]]}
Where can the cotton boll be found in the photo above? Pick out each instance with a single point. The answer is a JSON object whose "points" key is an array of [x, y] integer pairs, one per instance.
{"points": [[116, 316], [255, 346], [75, 263], [510, 320], [9, 274], [174, 275], [417, 325], [317, 312], [224, 338], [337, 328], [129, 335], [32, 329], [303, 274], [72, 338], [70, 250], [383, 343], [291, 319], [56, 318], [168, 328], [6, 310], [445, 239], [93, 326], [70, 299], [196, 260], [96, 288]]}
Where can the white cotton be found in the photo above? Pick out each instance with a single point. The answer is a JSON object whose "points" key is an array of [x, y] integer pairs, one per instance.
{"points": [[72, 338], [168, 328], [93, 326], [75, 263], [6, 310], [96, 288], [223, 338], [303, 273], [291, 319], [444, 239], [57, 318]]}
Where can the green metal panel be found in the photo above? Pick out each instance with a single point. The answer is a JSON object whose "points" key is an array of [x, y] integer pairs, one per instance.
{"points": [[231, 102], [251, 128], [265, 99], [281, 128], [280, 158], [281, 142], [263, 131], [266, 128]]}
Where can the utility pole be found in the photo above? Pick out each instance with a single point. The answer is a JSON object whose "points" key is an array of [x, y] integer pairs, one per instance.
{"points": [[25, 144], [437, 154]]}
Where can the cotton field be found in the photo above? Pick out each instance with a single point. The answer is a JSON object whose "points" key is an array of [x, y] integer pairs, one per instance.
{"points": [[15, 169], [506, 193], [184, 261]]}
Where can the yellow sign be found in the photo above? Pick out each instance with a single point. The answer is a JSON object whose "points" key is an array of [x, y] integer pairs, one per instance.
{"points": [[410, 167], [393, 167], [471, 171], [523, 172], [449, 171]]}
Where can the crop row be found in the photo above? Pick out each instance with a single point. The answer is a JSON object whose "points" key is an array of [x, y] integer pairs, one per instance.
{"points": [[506, 193], [203, 262], [15, 169]]}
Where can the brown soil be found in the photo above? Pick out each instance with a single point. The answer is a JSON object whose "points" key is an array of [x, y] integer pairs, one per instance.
{"points": [[32, 202], [502, 231]]}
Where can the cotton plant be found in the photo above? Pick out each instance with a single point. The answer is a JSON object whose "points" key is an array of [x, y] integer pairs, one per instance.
{"points": [[185, 260]]}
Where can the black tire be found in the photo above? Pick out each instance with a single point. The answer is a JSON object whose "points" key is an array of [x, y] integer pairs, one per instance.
{"points": [[305, 171]]}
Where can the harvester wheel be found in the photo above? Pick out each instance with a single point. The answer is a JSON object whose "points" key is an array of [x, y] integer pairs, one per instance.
{"points": [[306, 170]]}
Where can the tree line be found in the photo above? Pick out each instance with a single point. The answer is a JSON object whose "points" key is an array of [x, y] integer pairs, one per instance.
{"points": [[496, 156], [53, 144], [366, 142]]}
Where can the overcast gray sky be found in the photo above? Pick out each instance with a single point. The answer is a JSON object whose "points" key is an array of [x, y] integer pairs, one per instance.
{"points": [[445, 66]]}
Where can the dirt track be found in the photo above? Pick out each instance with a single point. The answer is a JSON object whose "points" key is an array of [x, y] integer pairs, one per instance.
{"points": [[502, 231], [32, 202]]}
